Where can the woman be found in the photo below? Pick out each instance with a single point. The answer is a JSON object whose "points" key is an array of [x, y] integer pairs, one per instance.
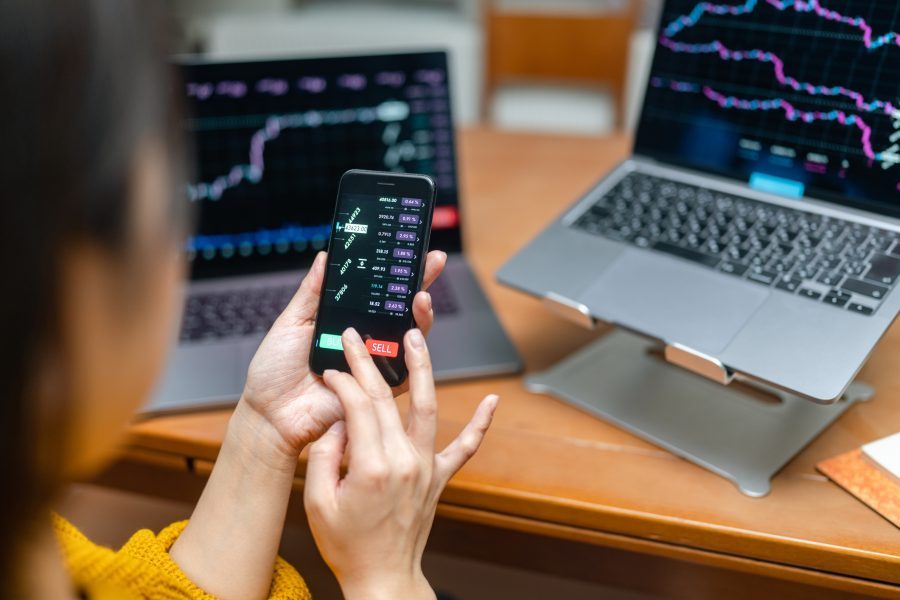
{"points": [[91, 252]]}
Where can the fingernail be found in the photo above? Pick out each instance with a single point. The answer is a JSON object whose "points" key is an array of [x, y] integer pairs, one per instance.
{"points": [[352, 336], [328, 372], [494, 400], [338, 428], [428, 298], [444, 253], [416, 339]]}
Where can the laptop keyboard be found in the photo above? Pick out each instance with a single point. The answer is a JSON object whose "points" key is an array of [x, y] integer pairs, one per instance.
{"points": [[443, 300], [253, 310], [234, 312], [841, 263]]}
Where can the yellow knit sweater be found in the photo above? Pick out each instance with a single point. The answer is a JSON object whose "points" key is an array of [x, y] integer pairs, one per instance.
{"points": [[142, 568]]}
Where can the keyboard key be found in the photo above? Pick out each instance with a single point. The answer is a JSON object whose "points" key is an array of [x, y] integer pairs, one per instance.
{"points": [[831, 263], [762, 276], [829, 279], [687, 253], [808, 293], [860, 309], [836, 298], [884, 269], [807, 272], [443, 299], [733, 268], [865, 288], [788, 283]]}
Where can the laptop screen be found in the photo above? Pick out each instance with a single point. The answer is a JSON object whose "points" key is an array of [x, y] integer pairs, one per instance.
{"points": [[273, 137], [796, 97]]}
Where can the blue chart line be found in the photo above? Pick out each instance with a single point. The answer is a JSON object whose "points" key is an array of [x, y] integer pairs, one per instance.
{"points": [[262, 241], [791, 113], [763, 56], [887, 157], [252, 172], [801, 6]]}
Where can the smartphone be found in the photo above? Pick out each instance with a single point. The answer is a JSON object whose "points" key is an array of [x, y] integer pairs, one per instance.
{"points": [[376, 258]]}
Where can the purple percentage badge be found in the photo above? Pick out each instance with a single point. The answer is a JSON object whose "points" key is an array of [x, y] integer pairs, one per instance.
{"points": [[405, 236], [395, 305], [409, 219], [401, 271], [404, 253]]}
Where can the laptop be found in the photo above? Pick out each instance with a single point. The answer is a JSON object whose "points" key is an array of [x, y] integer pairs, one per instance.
{"points": [[754, 230], [272, 139]]}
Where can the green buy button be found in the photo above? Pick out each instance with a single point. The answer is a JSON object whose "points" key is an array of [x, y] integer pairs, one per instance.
{"points": [[330, 341]]}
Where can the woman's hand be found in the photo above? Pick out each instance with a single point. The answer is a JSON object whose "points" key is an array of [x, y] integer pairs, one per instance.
{"points": [[281, 393], [371, 525], [228, 548]]}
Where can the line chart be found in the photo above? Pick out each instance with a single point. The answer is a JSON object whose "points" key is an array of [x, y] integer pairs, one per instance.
{"points": [[252, 171], [801, 6], [763, 56], [791, 113], [804, 90]]}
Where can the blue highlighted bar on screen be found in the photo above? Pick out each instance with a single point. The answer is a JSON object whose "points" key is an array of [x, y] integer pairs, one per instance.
{"points": [[777, 185]]}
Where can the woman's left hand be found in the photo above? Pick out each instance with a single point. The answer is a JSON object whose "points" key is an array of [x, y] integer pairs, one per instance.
{"points": [[229, 546], [281, 393]]}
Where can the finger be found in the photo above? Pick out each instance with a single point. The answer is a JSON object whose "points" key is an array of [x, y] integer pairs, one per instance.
{"points": [[305, 303], [323, 467], [372, 382], [435, 262], [359, 413], [423, 312], [461, 449], [361, 365], [423, 403]]}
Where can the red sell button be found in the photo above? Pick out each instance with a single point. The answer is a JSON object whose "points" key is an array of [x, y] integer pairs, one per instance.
{"points": [[381, 348]]}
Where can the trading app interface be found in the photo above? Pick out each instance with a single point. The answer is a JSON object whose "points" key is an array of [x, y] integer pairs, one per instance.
{"points": [[794, 97], [273, 138], [373, 272]]}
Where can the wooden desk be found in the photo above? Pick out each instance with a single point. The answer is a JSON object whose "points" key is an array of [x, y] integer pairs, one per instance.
{"points": [[567, 483]]}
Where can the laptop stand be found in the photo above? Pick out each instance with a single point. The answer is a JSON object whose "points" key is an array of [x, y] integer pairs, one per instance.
{"points": [[742, 432]]}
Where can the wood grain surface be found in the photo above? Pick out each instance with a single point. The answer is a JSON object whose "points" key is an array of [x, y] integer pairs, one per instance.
{"points": [[549, 470]]}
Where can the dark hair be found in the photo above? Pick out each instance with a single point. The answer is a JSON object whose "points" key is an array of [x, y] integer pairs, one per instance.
{"points": [[82, 84]]}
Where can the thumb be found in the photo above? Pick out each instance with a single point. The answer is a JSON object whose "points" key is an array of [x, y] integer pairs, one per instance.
{"points": [[305, 303], [323, 468]]}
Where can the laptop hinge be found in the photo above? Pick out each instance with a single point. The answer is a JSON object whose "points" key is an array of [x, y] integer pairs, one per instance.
{"points": [[569, 309], [699, 363]]}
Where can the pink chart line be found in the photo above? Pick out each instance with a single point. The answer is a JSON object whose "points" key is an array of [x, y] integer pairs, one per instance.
{"points": [[800, 6], [763, 56], [790, 111]]}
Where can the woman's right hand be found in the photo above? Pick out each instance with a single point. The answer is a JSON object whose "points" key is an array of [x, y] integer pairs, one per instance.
{"points": [[371, 525]]}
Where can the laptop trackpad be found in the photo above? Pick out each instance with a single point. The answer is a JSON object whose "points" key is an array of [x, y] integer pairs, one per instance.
{"points": [[673, 300], [201, 372]]}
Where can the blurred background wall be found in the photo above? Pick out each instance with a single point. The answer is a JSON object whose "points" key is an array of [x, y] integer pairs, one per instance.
{"points": [[565, 66]]}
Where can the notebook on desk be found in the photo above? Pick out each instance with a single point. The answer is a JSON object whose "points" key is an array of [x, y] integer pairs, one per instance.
{"points": [[871, 474]]}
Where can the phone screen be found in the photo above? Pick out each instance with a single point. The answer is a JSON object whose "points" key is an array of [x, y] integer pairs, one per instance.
{"points": [[376, 255]]}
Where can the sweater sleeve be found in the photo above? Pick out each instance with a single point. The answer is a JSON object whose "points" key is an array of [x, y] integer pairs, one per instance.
{"points": [[143, 567]]}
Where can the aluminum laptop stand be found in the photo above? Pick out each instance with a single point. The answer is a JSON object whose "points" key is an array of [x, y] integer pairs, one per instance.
{"points": [[729, 430]]}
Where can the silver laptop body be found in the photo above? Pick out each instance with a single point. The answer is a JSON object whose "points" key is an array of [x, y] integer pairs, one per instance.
{"points": [[230, 305], [715, 134]]}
